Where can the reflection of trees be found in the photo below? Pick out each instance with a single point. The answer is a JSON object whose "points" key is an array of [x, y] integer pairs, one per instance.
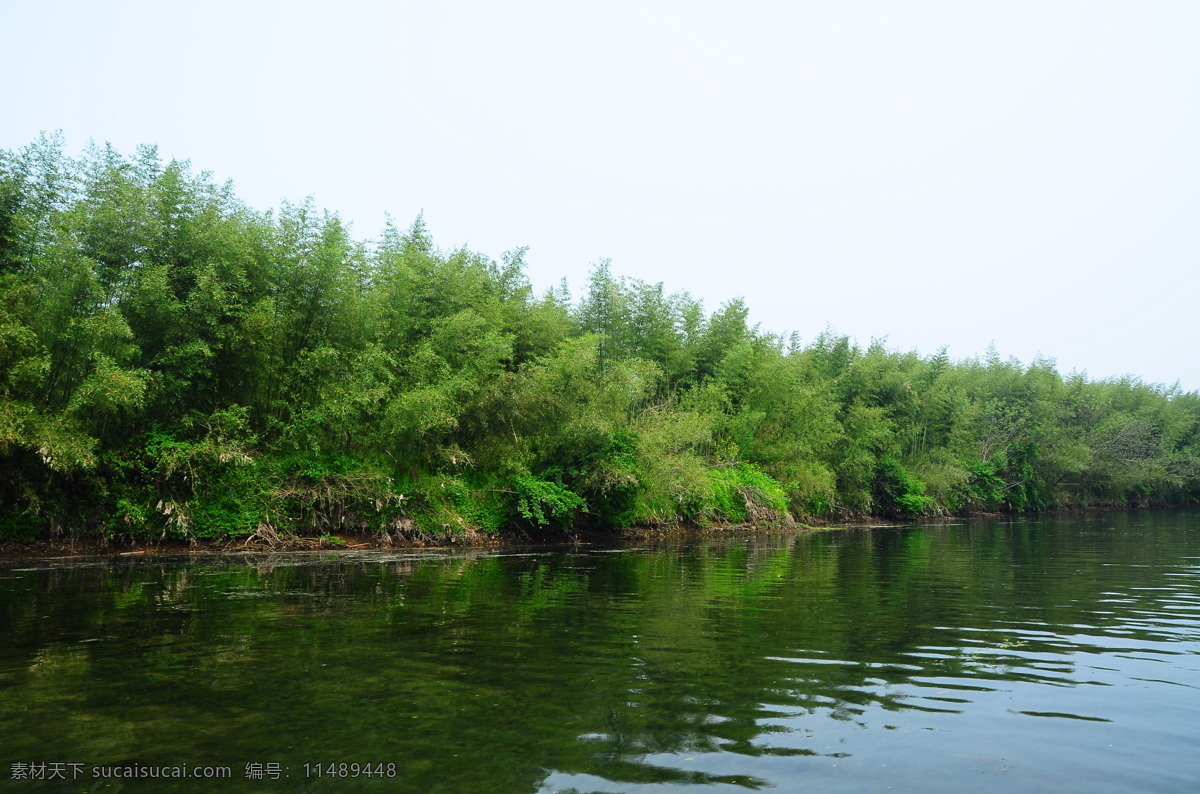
{"points": [[614, 665]]}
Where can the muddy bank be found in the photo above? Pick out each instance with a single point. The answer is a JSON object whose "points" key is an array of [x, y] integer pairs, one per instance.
{"points": [[275, 542], [267, 541]]}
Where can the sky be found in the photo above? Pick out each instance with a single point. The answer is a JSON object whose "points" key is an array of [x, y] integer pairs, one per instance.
{"points": [[932, 172]]}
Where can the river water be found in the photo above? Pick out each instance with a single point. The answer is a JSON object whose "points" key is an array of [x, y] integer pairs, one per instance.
{"points": [[1032, 654]]}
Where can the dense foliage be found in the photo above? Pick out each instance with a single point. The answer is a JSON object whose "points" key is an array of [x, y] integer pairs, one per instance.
{"points": [[176, 364]]}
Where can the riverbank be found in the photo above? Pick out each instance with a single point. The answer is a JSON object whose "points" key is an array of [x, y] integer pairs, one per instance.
{"points": [[268, 541], [174, 365]]}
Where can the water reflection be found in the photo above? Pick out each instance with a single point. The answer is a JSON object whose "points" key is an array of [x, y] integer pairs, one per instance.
{"points": [[1032, 654]]}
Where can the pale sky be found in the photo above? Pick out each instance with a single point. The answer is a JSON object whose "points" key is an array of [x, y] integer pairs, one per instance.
{"points": [[936, 172]]}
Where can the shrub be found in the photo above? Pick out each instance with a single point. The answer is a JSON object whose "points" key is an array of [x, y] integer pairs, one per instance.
{"points": [[546, 502], [898, 492]]}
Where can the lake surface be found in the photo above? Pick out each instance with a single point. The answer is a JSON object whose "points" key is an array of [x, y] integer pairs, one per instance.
{"points": [[1033, 654]]}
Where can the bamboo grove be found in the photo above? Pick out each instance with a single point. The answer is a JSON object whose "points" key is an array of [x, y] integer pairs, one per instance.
{"points": [[175, 364]]}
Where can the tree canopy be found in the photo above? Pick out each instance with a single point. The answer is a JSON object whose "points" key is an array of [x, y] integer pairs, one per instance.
{"points": [[174, 363]]}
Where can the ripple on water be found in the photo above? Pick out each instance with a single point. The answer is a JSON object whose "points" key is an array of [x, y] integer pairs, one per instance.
{"points": [[948, 658]]}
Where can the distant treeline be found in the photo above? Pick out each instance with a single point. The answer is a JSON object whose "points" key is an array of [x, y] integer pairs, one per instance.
{"points": [[176, 364]]}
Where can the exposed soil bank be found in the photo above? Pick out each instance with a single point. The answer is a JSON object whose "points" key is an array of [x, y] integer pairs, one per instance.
{"points": [[272, 542]]}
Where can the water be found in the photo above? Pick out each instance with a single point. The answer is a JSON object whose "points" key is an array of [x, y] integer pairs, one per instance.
{"points": [[1056, 653]]}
